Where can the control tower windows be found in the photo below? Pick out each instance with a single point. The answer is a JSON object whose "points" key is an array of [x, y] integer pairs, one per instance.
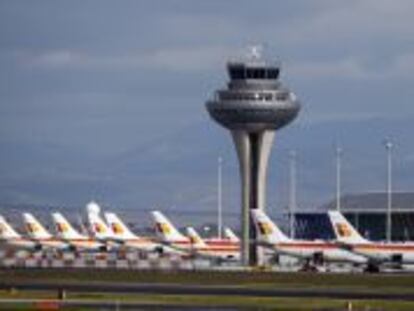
{"points": [[255, 73], [282, 95], [237, 73], [264, 96], [273, 73]]}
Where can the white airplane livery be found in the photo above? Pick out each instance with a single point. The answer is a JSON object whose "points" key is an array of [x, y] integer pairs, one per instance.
{"points": [[10, 239], [100, 230], [195, 239], [40, 235], [376, 252], [80, 242], [193, 244], [122, 234], [203, 249], [167, 231], [270, 236], [229, 238], [230, 235]]}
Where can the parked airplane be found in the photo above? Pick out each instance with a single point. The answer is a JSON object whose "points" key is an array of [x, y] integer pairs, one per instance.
{"points": [[99, 229], [11, 240], [316, 252], [194, 245], [122, 234], [41, 236], [78, 241], [229, 239], [215, 250], [230, 235], [377, 253]]}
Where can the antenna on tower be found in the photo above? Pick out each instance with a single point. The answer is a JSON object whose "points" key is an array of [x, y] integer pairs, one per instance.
{"points": [[255, 52]]}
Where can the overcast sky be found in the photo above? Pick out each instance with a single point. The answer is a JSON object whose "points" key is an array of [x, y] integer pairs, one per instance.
{"points": [[98, 75]]}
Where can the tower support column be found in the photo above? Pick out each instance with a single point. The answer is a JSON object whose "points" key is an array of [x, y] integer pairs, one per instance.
{"points": [[253, 150]]}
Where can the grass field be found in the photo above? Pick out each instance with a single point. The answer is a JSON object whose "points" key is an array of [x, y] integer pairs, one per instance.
{"points": [[357, 281], [353, 282], [254, 303]]}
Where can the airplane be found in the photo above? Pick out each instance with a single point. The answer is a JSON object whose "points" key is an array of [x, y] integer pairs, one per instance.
{"points": [[41, 236], [315, 252], [11, 240], [202, 249], [99, 229], [78, 241], [171, 236], [378, 253], [229, 238], [122, 234], [230, 235]]}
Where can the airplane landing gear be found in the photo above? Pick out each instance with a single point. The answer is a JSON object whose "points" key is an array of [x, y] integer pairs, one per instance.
{"points": [[372, 268]]}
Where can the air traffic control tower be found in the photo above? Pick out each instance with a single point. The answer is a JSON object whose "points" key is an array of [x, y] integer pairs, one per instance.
{"points": [[253, 106]]}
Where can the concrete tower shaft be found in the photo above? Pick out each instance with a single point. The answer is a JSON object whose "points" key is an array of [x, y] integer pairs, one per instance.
{"points": [[253, 150], [253, 106]]}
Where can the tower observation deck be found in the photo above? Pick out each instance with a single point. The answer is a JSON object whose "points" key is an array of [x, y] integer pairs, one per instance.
{"points": [[253, 106]]}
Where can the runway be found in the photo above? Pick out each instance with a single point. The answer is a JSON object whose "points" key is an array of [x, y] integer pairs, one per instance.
{"points": [[213, 290]]}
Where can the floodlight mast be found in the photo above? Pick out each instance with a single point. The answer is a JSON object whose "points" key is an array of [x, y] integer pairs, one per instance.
{"points": [[339, 153], [292, 192], [219, 198], [389, 146]]}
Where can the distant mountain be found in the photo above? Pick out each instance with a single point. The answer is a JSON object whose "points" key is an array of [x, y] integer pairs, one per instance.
{"points": [[177, 173]]}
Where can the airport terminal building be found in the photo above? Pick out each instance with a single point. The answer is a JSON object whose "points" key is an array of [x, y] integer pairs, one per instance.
{"points": [[367, 212]]}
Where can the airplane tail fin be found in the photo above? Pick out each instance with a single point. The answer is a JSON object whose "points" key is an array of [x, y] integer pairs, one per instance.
{"points": [[267, 230], [64, 228], [119, 229], [343, 229], [34, 228], [195, 238], [98, 227], [165, 228], [230, 235], [6, 231]]}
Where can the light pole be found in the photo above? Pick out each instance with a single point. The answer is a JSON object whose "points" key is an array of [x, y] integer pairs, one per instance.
{"points": [[338, 177], [219, 198], [292, 193], [388, 146]]}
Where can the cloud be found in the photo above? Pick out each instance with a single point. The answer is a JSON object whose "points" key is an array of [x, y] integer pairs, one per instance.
{"points": [[55, 58], [346, 68], [370, 19], [193, 58], [351, 68], [404, 65]]}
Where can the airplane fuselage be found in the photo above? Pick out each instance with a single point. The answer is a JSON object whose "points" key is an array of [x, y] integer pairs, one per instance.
{"points": [[402, 253], [217, 249], [19, 243], [325, 251]]}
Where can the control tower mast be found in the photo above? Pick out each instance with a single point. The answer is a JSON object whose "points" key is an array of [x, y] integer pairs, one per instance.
{"points": [[253, 106]]}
